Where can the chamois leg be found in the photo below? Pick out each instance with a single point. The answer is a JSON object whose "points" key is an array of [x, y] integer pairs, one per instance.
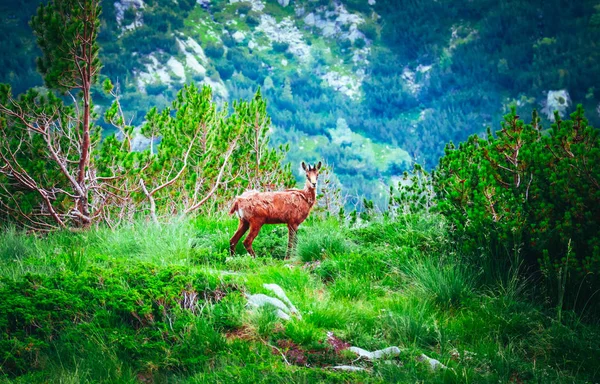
{"points": [[292, 229], [242, 228], [254, 229]]}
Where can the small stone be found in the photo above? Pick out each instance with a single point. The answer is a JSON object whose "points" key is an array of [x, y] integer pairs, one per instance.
{"points": [[386, 352], [310, 19], [433, 363], [238, 36], [349, 368], [278, 291], [260, 300]]}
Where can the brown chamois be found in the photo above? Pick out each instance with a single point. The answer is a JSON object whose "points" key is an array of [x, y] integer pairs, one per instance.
{"points": [[290, 207]]}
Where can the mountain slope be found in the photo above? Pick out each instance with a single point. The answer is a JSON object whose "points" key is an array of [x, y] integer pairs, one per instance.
{"points": [[370, 86]]}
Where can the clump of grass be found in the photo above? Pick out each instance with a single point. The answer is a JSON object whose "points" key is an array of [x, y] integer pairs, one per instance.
{"points": [[447, 283], [264, 321], [163, 244], [355, 288], [227, 313], [423, 232], [322, 240], [14, 246], [409, 321]]}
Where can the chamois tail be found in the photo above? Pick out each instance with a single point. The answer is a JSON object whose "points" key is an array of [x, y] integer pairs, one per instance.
{"points": [[234, 207]]}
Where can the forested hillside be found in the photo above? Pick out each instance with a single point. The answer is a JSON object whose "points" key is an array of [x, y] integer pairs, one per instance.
{"points": [[369, 86]]}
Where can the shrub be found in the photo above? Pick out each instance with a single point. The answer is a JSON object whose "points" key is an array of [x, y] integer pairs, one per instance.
{"points": [[522, 193], [345, 44], [228, 41], [369, 29], [225, 70], [280, 47], [154, 309], [244, 7], [156, 88], [359, 43], [214, 50], [253, 20]]}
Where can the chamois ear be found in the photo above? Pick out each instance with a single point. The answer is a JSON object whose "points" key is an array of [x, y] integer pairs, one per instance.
{"points": [[304, 167], [319, 166]]}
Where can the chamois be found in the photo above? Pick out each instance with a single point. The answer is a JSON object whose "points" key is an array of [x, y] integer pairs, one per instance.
{"points": [[290, 207]]}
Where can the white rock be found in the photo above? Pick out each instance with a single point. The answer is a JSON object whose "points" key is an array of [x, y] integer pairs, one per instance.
{"points": [[176, 66], [371, 2], [284, 62], [278, 291], [139, 142], [122, 5], [218, 87], [410, 80], [251, 44], [195, 47], [194, 65], [386, 352], [433, 363], [284, 3], [285, 31], [348, 368], [238, 36], [260, 300], [423, 68], [345, 17], [154, 71], [343, 83], [310, 19], [556, 101]]}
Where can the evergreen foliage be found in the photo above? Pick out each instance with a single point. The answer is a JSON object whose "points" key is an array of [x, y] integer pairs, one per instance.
{"points": [[55, 174], [528, 193]]}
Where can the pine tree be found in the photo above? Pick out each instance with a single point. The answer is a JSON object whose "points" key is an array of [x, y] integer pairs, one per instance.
{"points": [[38, 131]]}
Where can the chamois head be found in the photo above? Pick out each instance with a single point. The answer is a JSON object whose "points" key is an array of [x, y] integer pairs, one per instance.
{"points": [[312, 173]]}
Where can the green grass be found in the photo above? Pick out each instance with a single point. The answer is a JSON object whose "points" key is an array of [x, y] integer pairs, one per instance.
{"points": [[167, 303]]}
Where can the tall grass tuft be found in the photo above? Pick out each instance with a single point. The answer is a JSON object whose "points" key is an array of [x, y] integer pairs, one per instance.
{"points": [[446, 282], [409, 322], [14, 246], [322, 240]]}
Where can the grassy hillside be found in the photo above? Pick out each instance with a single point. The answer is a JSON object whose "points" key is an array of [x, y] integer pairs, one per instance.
{"points": [[166, 303]]}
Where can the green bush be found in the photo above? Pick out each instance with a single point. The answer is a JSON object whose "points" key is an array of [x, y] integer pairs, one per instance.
{"points": [[156, 88], [359, 43], [154, 309], [523, 194], [369, 29], [214, 50], [253, 19], [280, 47], [225, 70]]}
